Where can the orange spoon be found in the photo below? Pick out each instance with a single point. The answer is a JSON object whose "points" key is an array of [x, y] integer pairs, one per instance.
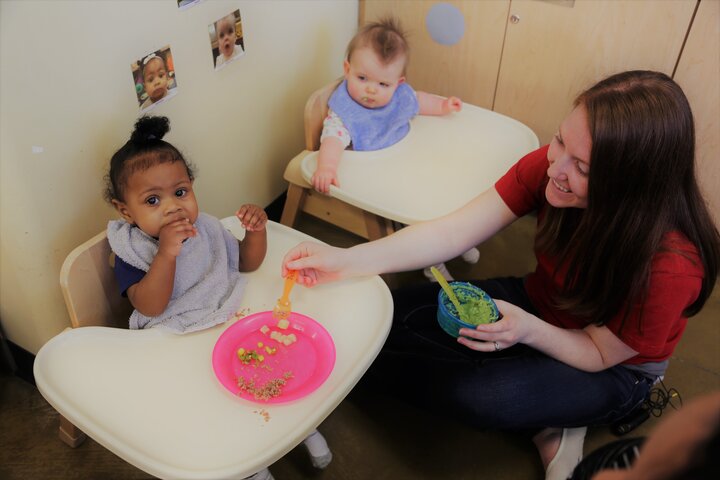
{"points": [[282, 308]]}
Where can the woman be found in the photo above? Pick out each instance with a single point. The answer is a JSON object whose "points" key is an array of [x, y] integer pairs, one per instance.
{"points": [[626, 252]]}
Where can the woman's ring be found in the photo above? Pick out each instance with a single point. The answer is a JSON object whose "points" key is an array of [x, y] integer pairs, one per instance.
{"points": [[497, 346]]}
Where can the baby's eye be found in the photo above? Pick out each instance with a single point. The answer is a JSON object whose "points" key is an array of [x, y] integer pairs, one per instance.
{"points": [[558, 139], [383, 84], [154, 200], [181, 192], [362, 77]]}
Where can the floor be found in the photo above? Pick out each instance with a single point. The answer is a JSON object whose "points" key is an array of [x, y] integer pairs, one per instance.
{"points": [[370, 436]]}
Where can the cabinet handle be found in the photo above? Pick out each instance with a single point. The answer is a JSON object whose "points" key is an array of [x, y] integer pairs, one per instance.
{"points": [[514, 18]]}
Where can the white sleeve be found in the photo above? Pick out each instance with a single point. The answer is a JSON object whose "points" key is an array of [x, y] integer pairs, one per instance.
{"points": [[334, 127]]}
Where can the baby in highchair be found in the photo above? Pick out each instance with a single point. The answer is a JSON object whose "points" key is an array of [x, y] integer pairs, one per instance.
{"points": [[371, 109], [180, 268]]}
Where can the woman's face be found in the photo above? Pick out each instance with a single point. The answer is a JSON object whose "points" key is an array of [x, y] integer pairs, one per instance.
{"points": [[569, 157]]}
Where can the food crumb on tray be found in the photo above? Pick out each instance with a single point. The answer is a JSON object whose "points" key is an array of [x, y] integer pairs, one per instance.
{"points": [[263, 413]]}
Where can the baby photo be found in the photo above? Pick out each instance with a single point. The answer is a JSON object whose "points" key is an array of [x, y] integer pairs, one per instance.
{"points": [[226, 39], [154, 77]]}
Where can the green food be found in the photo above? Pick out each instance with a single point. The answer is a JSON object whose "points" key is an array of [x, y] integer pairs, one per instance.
{"points": [[249, 356], [476, 310]]}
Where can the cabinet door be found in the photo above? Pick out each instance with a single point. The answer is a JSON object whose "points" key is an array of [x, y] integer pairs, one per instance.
{"points": [[554, 50], [698, 73], [468, 69]]}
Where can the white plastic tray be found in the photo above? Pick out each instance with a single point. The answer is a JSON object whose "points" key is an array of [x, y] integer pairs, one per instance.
{"points": [[442, 164], [152, 398]]}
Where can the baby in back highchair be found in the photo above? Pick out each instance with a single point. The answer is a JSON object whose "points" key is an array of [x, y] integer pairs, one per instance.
{"points": [[180, 268], [371, 109]]}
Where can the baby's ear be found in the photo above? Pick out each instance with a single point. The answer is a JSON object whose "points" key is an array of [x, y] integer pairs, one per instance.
{"points": [[122, 210], [402, 80], [346, 67]]}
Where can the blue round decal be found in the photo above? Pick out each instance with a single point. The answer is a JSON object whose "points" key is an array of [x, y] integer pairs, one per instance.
{"points": [[445, 24]]}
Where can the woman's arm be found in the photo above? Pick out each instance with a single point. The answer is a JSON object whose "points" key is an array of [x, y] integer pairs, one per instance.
{"points": [[591, 349], [651, 328], [410, 248]]}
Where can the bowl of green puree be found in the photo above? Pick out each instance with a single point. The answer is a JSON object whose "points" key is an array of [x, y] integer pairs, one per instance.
{"points": [[477, 306]]}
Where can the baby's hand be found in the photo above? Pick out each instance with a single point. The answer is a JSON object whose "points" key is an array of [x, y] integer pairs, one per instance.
{"points": [[252, 217], [452, 104], [173, 234], [323, 178]]}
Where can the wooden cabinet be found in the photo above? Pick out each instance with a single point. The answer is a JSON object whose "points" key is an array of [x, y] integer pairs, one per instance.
{"points": [[529, 59], [468, 69], [554, 52], [698, 73]]}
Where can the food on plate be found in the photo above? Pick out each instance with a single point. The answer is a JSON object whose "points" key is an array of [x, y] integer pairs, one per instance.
{"points": [[270, 389], [270, 350], [249, 357], [282, 338]]}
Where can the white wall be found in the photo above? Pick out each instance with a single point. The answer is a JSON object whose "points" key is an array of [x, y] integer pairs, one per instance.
{"points": [[65, 86]]}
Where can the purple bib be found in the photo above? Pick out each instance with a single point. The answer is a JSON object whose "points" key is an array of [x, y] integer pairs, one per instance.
{"points": [[375, 128]]}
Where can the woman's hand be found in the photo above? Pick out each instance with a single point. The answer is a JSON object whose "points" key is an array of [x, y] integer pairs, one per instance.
{"points": [[514, 327], [315, 263], [252, 217], [591, 349]]}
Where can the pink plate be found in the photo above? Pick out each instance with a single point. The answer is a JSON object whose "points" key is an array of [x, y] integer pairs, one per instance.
{"points": [[310, 359]]}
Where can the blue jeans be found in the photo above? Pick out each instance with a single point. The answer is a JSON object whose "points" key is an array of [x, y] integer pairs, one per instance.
{"points": [[518, 388]]}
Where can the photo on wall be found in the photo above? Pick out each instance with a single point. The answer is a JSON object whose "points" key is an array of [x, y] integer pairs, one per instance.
{"points": [[154, 77], [226, 39]]}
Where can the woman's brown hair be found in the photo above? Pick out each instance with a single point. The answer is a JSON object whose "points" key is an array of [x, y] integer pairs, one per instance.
{"points": [[641, 186]]}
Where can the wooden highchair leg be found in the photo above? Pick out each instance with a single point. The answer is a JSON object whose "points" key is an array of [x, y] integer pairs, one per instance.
{"points": [[293, 204], [377, 226], [70, 434]]}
